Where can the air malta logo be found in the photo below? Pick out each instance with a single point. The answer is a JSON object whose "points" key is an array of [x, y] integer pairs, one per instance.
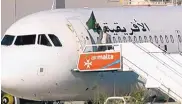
{"points": [[88, 63], [99, 61]]}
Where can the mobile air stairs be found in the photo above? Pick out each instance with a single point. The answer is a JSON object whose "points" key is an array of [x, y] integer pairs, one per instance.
{"points": [[161, 70]]}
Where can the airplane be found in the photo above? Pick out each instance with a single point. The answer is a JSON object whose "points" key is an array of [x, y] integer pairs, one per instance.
{"points": [[40, 50]]}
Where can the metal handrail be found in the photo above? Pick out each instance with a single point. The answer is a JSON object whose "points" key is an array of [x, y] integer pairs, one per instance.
{"points": [[161, 61], [174, 60], [103, 44], [150, 76], [96, 45]]}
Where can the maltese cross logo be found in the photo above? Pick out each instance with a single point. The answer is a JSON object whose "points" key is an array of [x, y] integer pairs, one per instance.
{"points": [[88, 63]]}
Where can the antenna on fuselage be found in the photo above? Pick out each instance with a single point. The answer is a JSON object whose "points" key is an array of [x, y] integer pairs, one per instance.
{"points": [[53, 4]]}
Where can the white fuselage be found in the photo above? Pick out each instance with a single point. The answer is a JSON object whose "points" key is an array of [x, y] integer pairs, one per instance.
{"points": [[21, 65]]}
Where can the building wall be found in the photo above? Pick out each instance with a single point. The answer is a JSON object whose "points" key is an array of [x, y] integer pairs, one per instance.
{"points": [[7, 14], [92, 3], [23, 8]]}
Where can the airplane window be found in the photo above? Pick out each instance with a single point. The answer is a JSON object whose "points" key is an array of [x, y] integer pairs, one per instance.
{"points": [[124, 38], [179, 38], [119, 38], [135, 39], [140, 39], [161, 38], [145, 38], [156, 39], [172, 39], [55, 40], [25, 40], [42, 40], [167, 40], [151, 40], [7, 40], [129, 38]]}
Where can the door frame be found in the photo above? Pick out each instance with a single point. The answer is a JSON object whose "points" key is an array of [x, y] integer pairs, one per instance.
{"points": [[178, 32]]}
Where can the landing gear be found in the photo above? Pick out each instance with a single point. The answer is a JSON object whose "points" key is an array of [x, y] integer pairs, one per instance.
{"points": [[57, 102], [88, 102], [50, 102], [7, 99]]}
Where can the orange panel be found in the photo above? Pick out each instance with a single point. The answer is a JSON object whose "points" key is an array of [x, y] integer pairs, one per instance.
{"points": [[99, 61]]}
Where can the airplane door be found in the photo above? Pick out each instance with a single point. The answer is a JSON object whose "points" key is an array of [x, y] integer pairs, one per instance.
{"points": [[179, 38], [80, 31]]}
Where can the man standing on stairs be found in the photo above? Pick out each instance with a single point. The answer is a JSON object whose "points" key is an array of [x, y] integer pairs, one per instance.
{"points": [[98, 28], [100, 33], [103, 39], [103, 36]]}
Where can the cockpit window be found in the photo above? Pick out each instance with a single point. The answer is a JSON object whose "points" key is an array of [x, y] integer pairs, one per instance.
{"points": [[25, 40], [55, 40], [42, 40], [7, 40]]}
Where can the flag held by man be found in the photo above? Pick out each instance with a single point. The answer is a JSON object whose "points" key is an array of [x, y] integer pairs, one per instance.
{"points": [[91, 22]]}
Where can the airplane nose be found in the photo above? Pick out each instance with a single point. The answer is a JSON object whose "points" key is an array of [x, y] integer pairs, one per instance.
{"points": [[10, 81], [10, 70], [21, 75], [15, 74], [8, 84]]}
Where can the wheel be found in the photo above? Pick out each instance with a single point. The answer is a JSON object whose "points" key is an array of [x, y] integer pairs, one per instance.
{"points": [[7, 99], [89, 102]]}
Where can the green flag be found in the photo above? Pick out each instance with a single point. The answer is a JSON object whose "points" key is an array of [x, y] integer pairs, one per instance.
{"points": [[91, 22]]}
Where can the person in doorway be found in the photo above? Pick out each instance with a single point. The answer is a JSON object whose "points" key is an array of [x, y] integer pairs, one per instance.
{"points": [[98, 28], [100, 33], [105, 36], [104, 39]]}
